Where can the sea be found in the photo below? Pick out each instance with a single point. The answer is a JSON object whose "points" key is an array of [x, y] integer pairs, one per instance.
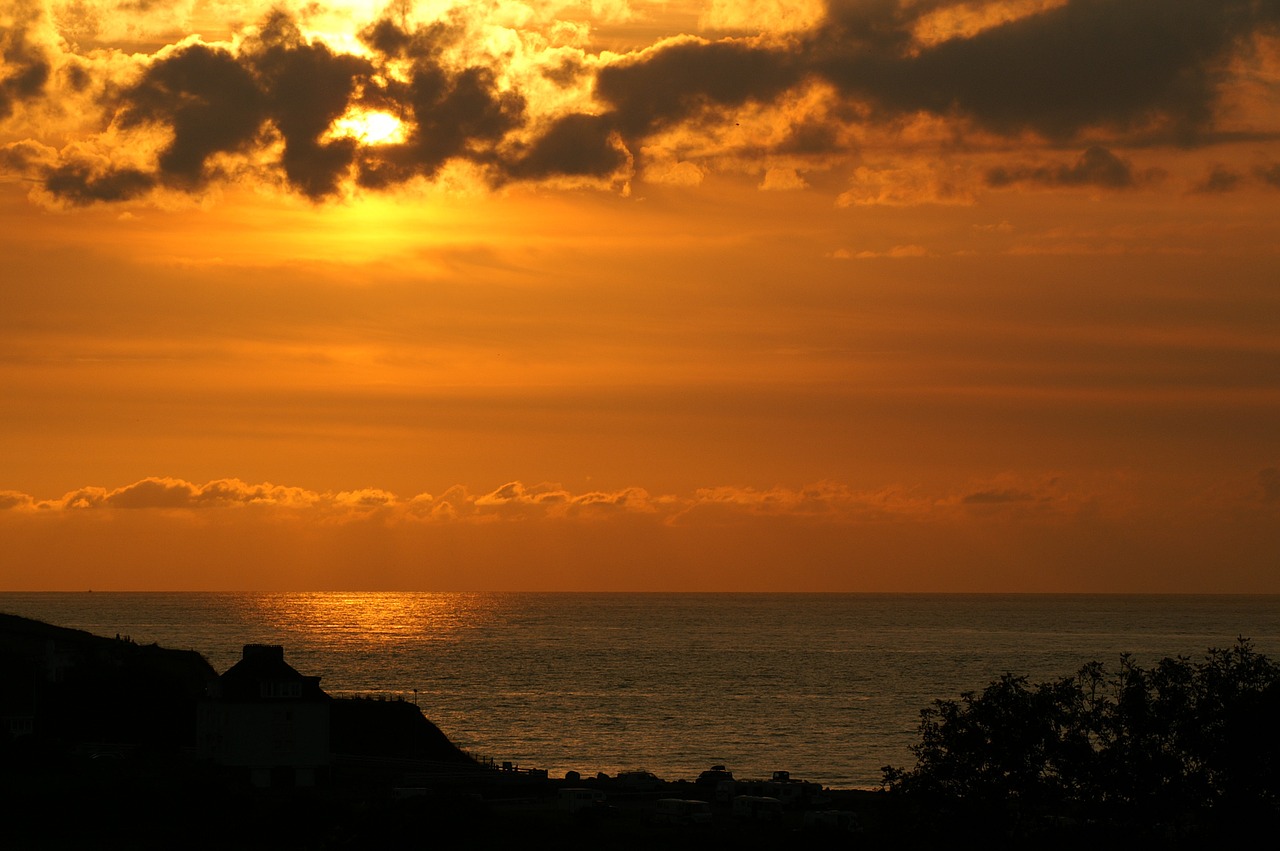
{"points": [[826, 686]]}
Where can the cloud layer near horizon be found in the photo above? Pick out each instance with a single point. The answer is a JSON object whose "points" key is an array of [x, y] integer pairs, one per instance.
{"points": [[520, 92], [1006, 534], [827, 502], [823, 501]]}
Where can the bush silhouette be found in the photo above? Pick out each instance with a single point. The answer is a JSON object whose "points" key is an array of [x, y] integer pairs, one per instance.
{"points": [[1180, 748]]}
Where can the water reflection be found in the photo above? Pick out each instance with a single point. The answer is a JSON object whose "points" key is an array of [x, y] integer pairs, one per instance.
{"points": [[369, 620]]}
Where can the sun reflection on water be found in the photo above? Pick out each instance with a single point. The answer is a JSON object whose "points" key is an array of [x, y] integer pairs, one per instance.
{"points": [[372, 620]]}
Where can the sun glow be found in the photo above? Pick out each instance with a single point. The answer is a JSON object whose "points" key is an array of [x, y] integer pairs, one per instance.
{"points": [[371, 620], [369, 128]]}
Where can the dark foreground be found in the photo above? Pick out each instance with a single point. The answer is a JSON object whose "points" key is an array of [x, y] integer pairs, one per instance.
{"points": [[110, 745], [165, 802], [149, 803]]}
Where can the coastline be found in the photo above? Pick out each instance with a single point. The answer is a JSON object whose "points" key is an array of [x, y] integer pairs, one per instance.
{"points": [[386, 771], [104, 727], [827, 686]]}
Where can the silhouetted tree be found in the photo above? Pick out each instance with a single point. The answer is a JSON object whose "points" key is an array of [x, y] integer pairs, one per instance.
{"points": [[1180, 748]]}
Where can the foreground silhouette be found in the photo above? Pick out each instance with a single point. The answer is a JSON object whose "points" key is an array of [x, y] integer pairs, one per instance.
{"points": [[108, 744], [1184, 751]]}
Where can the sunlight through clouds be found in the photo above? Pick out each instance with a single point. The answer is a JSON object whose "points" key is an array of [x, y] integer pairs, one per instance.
{"points": [[694, 287], [369, 128]]}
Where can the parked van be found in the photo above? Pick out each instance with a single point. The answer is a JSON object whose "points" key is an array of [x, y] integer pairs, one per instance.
{"points": [[757, 807]]}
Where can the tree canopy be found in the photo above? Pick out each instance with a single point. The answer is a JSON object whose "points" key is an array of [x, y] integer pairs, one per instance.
{"points": [[1182, 747]]}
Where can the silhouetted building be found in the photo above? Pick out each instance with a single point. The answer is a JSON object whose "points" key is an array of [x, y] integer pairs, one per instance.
{"points": [[265, 717]]}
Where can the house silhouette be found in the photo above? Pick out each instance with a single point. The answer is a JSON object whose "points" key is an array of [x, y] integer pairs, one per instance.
{"points": [[267, 720]]}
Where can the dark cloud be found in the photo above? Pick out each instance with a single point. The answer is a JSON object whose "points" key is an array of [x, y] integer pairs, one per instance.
{"points": [[1143, 69], [25, 157], [216, 102], [1097, 166], [566, 73], [80, 183], [306, 87], [459, 114], [1219, 179], [24, 65], [574, 145], [387, 39], [77, 78], [672, 83], [1123, 64], [207, 98], [280, 86], [811, 138], [1126, 65], [876, 26], [451, 114], [1269, 174]]}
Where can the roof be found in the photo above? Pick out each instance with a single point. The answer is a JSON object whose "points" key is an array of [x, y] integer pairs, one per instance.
{"points": [[263, 674]]}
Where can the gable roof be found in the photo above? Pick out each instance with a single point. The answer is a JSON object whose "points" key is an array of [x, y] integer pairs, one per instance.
{"points": [[263, 674]]}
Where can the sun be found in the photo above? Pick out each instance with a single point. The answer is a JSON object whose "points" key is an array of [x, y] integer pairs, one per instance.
{"points": [[368, 127]]}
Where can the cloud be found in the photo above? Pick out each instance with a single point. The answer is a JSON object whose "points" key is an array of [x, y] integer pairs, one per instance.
{"points": [[822, 502], [686, 76], [897, 252], [206, 98], [453, 113], [306, 87], [153, 493], [516, 97], [15, 500], [996, 497], [514, 501], [1097, 167], [1120, 64], [366, 499], [907, 184], [781, 179], [1010, 497], [80, 183], [276, 95], [760, 15], [279, 83], [27, 157], [1269, 174], [228, 534], [25, 65], [574, 145], [1138, 67], [170, 493], [1220, 179]]}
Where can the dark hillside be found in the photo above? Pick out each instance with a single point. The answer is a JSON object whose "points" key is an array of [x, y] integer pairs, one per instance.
{"points": [[391, 729], [75, 687]]}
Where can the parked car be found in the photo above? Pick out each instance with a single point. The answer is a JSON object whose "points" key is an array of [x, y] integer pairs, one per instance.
{"points": [[638, 781]]}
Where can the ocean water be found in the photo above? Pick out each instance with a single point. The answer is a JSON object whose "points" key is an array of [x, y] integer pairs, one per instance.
{"points": [[827, 686]]}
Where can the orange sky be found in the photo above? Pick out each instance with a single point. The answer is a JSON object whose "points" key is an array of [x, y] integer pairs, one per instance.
{"points": [[731, 295]]}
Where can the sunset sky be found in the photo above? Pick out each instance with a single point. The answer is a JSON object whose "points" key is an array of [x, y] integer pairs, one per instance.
{"points": [[855, 295]]}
